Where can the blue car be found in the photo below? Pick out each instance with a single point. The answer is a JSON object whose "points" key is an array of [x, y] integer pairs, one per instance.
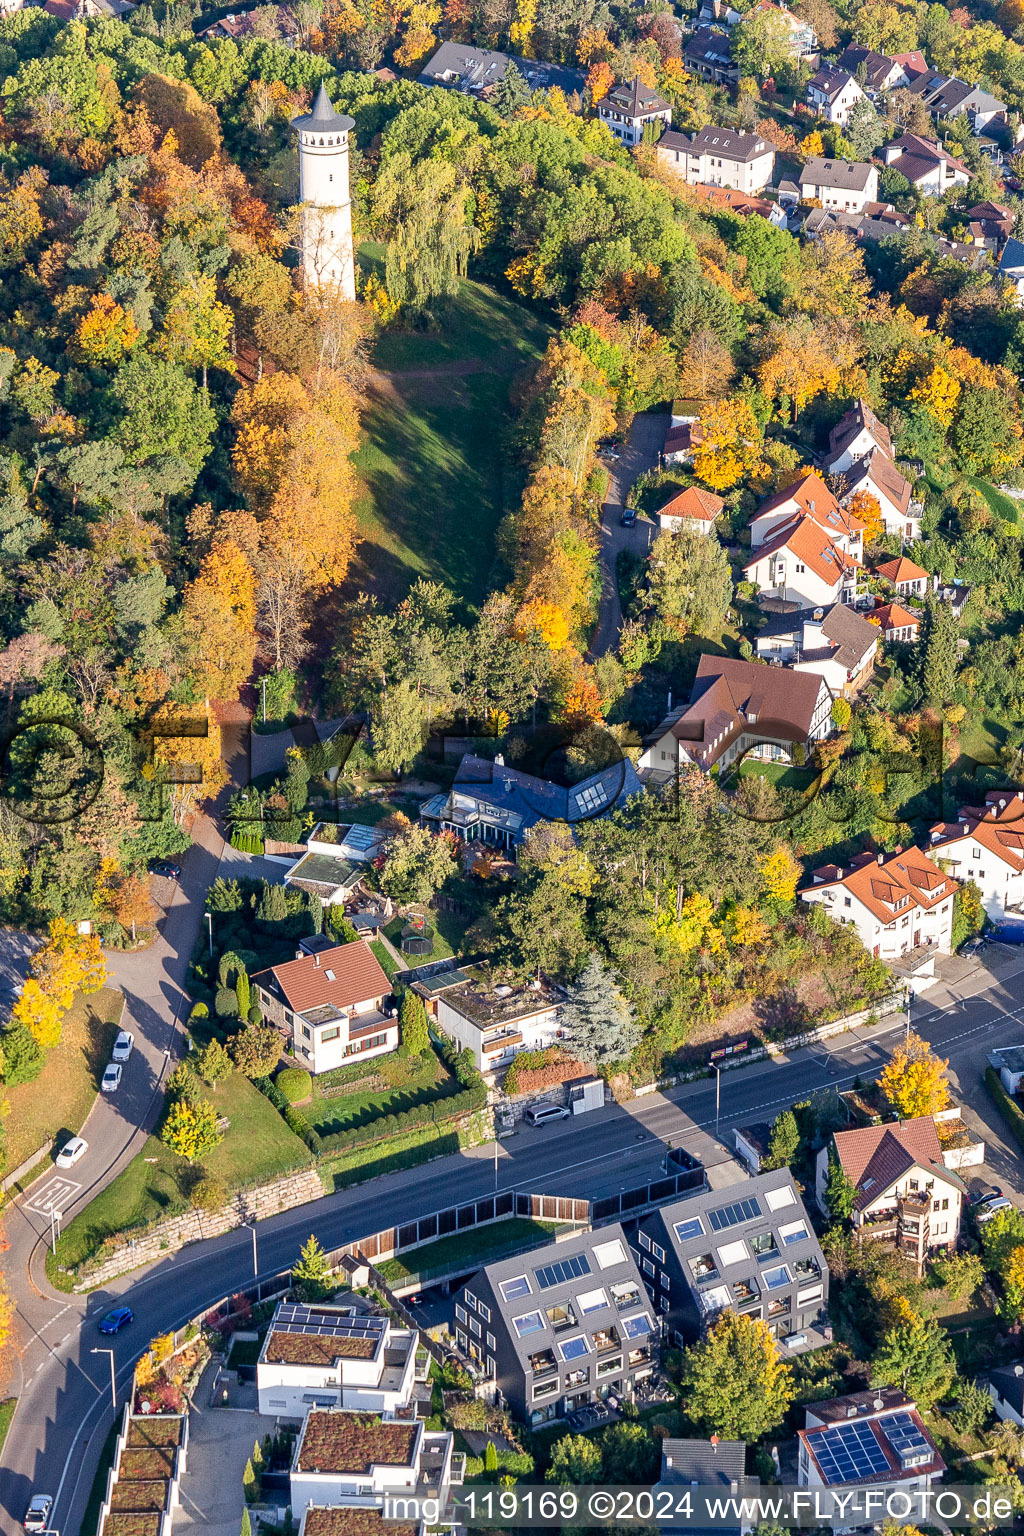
{"points": [[114, 1321]]}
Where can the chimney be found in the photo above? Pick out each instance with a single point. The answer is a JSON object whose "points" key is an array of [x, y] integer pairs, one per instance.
{"points": [[316, 959], [881, 858], [669, 710], [839, 871], [499, 759]]}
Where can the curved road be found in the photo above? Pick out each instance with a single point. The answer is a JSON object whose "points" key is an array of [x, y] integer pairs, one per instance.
{"points": [[65, 1409]]}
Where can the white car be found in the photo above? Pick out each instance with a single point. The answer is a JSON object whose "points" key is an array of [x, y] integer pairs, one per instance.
{"points": [[38, 1516], [989, 1208], [123, 1045], [71, 1151], [111, 1078]]}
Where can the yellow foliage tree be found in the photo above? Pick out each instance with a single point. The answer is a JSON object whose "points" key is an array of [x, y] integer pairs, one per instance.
{"points": [[779, 873], [864, 506], [220, 612], [545, 619], [521, 31], [730, 448], [419, 39], [68, 963], [939, 393], [914, 1079], [694, 928], [41, 1013], [105, 332], [812, 145], [186, 756], [748, 928]]}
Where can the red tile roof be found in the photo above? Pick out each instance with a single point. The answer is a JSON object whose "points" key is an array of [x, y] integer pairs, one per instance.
{"points": [[888, 884], [891, 616], [900, 569], [811, 496], [811, 544], [856, 418], [877, 1155], [1000, 829], [882, 473], [702, 506], [347, 974]]}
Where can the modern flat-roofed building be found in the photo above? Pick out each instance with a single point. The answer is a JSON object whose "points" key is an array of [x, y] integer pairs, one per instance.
{"points": [[873, 1439], [749, 1248], [332, 1357], [494, 1021], [365, 1458], [561, 1326]]}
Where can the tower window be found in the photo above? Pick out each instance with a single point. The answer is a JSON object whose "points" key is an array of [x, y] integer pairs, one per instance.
{"points": [[331, 177]]}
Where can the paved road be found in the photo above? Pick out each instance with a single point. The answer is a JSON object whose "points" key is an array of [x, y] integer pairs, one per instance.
{"points": [[646, 440], [65, 1412]]}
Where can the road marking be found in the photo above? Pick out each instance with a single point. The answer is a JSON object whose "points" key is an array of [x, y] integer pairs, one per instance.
{"points": [[53, 1196]]}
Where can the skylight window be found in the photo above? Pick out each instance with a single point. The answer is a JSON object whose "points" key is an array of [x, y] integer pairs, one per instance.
{"points": [[530, 1322]]}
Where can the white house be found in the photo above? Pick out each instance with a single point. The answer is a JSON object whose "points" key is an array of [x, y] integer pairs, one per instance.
{"points": [[693, 508], [843, 185], [875, 1440], [334, 861], [335, 1358], [896, 622], [800, 563], [986, 845], [878, 476], [908, 579], [332, 1006], [833, 94], [630, 107], [897, 901], [855, 436], [739, 708], [836, 643], [880, 73], [803, 42], [946, 96], [1006, 1389], [808, 496], [905, 1194], [496, 1022], [925, 164], [719, 157], [358, 1460]]}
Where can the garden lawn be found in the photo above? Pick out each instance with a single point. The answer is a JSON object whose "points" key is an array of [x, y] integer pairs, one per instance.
{"points": [[384, 959], [480, 1246], [782, 775], [257, 1147], [387, 1086], [63, 1094], [430, 459], [1002, 505], [442, 950]]}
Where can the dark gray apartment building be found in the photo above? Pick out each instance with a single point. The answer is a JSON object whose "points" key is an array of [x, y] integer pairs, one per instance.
{"points": [[561, 1326], [749, 1246]]}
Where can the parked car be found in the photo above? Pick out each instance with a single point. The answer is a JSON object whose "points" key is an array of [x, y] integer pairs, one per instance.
{"points": [[116, 1319], [71, 1151], [166, 868], [978, 1192], [38, 1516], [973, 946], [540, 1114], [628, 517], [989, 1208], [112, 1078], [1008, 933], [123, 1045]]}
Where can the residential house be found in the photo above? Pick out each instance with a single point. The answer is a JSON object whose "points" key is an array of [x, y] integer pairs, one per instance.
{"points": [[896, 623], [363, 1459], [905, 1195], [990, 225], [926, 164], [957, 595], [709, 55], [736, 708], [275, 23], [475, 71], [986, 845], [84, 10], [559, 1327], [845, 185], [1008, 1061], [874, 1439], [684, 436], [693, 508], [878, 72], [878, 476], [833, 94], [808, 496], [836, 644], [914, 62], [856, 436], [744, 205], [335, 861], [1011, 268], [715, 1465], [800, 563], [331, 1006], [494, 803], [803, 42], [1006, 1389], [898, 902], [631, 108], [908, 579], [719, 157], [333, 1357], [945, 96], [749, 1248], [494, 1021]]}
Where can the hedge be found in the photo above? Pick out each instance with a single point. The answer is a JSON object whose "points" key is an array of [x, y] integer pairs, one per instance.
{"points": [[293, 1119], [295, 1083], [1012, 1112], [418, 1118], [246, 842]]}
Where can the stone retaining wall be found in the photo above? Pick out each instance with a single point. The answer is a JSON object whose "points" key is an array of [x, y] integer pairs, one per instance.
{"points": [[193, 1226]]}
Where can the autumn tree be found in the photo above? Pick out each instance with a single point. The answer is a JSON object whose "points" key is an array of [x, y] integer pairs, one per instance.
{"points": [[190, 1130], [780, 873], [707, 366], [256, 1050], [106, 331], [916, 1356], [421, 208], [220, 611], [730, 444], [184, 759], [67, 964], [734, 1383], [690, 581], [914, 1079]]}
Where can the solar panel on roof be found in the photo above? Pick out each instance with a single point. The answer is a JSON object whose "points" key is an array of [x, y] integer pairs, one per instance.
{"points": [[847, 1453], [566, 1269], [733, 1215], [295, 1318]]}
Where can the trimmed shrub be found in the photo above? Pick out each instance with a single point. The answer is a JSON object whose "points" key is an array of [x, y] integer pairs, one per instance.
{"points": [[199, 1011], [295, 1084], [300, 1125], [225, 1004]]}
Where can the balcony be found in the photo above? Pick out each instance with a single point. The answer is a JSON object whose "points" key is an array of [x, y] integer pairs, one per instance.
{"points": [[605, 1339], [561, 1318], [704, 1268], [543, 1362], [497, 1044], [625, 1296]]}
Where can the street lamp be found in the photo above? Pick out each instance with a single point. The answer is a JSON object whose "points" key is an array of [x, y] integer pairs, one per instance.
{"points": [[718, 1091], [113, 1383], [209, 925], [255, 1264]]}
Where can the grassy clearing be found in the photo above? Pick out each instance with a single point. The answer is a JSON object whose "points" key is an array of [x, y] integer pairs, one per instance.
{"points": [[385, 959], [61, 1097], [1002, 505], [480, 1246], [782, 775], [385, 1087], [363, 1163], [442, 950], [258, 1147], [429, 461]]}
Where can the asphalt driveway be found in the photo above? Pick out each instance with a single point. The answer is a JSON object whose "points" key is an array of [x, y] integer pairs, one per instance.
{"points": [[646, 440]]}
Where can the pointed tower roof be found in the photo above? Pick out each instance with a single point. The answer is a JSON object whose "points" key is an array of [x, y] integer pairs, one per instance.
{"points": [[323, 115]]}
